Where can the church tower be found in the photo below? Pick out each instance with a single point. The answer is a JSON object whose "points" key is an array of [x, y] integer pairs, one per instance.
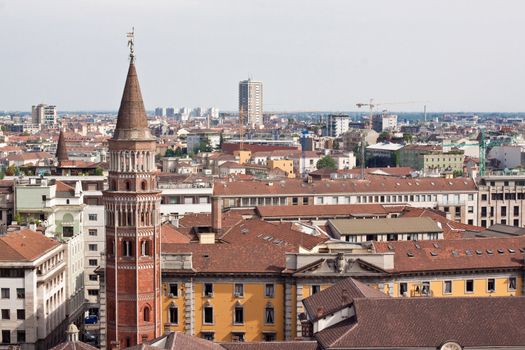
{"points": [[132, 208]]}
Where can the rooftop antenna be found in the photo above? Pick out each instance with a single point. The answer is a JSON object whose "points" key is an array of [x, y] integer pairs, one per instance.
{"points": [[425, 112], [131, 44]]}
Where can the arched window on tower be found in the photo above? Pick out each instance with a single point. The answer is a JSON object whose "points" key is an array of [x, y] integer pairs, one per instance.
{"points": [[143, 185], [147, 312], [113, 185], [128, 186], [142, 219]]}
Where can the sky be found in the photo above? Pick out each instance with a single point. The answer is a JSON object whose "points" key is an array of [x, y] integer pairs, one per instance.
{"points": [[323, 55]]}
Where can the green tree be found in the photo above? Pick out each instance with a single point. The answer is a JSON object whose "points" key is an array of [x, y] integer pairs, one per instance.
{"points": [[204, 145], [99, 171], [178, 152], [326, 162], [407, 138], [169, 153]]}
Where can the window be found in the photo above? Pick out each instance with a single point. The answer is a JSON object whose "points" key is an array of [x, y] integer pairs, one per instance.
{"points": [[145, 248], [92, 262], [269, 315], [208, 289], [470, 197], [516, 222], [469, 286], [5, 293], [146, 314], [67, 231], [173, 314], [238, 336], [93, 292], [126, 248], [305, 200], [208, 336], [491, 285], [93, 277], [20, 293], [238, 290], [173, 290], [425, 288], [92, 247], [403, 289], [269, 290], [512, 283], [295, 200], [208, 315], [484, 212], [143, 185], [238, 315], [483, 197], [316, 288], [269, 336], [471, 209], [503, 211], [92, 232], [447, 287], [21, 336], [6, 315], [20, 314], [516, 210], [92, 217], [6, 337]]}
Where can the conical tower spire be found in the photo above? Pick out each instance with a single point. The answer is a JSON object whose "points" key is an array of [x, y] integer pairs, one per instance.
{"points": [[61, 148], [132, 123]]}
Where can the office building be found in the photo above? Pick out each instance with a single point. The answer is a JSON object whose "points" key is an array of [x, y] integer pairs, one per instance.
{"points": [[251, 101]]}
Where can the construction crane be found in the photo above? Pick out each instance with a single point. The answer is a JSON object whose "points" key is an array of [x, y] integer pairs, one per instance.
{"points": [[483, 145]]}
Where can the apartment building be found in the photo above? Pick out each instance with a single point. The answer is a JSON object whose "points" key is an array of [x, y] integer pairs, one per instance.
{"points": [[251, 101], [385, 229], [57, 207], [457, 197], [429, 158], [501, 200], [33, 298], [6, 204], [43, 114]]}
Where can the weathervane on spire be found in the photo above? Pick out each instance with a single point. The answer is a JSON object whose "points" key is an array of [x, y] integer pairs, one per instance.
{"points": [[131, 44]]}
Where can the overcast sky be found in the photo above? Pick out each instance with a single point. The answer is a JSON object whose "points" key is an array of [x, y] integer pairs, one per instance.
{"points": [[310, 55]]}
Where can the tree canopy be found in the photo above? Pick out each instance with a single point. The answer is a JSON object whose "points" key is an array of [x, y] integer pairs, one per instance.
{"points": [[326, 162]]}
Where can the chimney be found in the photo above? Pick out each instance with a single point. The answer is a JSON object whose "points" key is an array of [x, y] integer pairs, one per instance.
{"points": [[345, 298], [216, 215], [320, 312]]}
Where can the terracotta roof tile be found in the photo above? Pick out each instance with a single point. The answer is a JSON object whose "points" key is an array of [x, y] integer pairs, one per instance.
{"points": [[458, 254], [429, 323], [383, 184], [25, 245]]}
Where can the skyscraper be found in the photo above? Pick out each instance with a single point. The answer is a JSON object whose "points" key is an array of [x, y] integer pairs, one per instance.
{"points": [[132, 205], [251, 101]]}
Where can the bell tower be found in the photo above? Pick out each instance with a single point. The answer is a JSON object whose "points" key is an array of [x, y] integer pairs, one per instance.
{"points": [[132, 208]]}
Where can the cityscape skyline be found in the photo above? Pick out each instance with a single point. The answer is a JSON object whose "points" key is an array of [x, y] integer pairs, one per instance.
{"points": [[327, 57]]}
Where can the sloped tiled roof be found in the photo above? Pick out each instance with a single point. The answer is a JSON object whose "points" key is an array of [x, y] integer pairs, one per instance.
{"points": [[338, 296], [457, 254], [428, 323], [24, 245], [258, 247]]}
